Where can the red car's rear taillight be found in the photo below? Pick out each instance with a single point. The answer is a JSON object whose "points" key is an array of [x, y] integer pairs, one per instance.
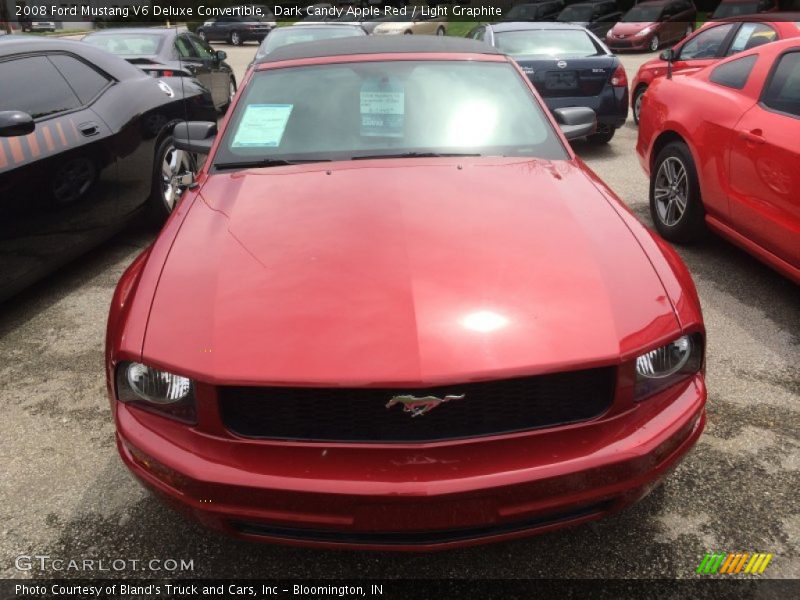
{"points": [[619, 78]]}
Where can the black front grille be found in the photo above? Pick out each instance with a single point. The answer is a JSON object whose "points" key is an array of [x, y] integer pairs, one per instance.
{"points": [[401, 538], [361, 415]]}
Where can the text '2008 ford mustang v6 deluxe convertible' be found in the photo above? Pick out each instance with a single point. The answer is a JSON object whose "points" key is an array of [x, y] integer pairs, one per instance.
{"points": [[397, 312]]}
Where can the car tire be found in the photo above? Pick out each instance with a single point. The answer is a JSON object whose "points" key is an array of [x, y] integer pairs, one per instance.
{"points": [[655, 43], [231, 92], [636, 102], [166, 191], [408, 32], [202, 35], [674, 177], [440, 31], [603, 136], [235, 38]]}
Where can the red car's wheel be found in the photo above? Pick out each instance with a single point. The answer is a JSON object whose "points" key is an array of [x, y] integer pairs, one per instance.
{"points": [[675, 203]]}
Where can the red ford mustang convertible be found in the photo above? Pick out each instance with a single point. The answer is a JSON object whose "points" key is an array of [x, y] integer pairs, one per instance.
{"points": [[395, 311], [721, 147]]}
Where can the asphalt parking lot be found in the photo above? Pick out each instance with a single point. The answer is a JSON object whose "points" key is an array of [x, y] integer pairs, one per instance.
{"points": [[66, 494]]}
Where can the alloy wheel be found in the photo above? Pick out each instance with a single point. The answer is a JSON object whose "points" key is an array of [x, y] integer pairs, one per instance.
{"points": [[236, 39], [671, 191], [440, 31], [175, 165], [654, 43]]}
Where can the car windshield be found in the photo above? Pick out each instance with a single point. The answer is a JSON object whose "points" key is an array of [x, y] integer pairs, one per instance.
{"points": [[127, 44], [386, 109], [547, 42], [642, 14], [521, 12], [734, 9], [576, 13], [297, 35]]}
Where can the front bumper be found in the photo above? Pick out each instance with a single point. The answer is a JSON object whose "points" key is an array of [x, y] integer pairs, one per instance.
{"points": [[631, 43], [413, 497]]}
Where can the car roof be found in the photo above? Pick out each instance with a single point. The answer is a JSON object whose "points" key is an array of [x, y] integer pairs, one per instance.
{"points": [[531, 25], [427, 44], [771, 17], [653, 3], [165, 31], [114, 65]]}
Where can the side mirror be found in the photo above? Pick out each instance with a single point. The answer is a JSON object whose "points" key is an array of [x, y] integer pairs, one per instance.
{"points": [[196, 137], [14, 123], [667, 55], [221, 55], [576, 121]]}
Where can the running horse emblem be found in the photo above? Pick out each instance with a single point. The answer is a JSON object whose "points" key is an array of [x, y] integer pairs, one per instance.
{"points": [[420, 406]]}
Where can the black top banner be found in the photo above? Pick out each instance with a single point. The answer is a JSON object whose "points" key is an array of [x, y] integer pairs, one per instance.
{"points": [[185, 11]]}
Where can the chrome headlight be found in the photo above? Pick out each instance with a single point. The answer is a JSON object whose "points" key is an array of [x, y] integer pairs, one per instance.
{"points": [[662, 367], [159, 391]]}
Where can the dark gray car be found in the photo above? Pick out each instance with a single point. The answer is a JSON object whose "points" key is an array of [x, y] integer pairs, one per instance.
{"points": [[237, 30], [163, 52]]}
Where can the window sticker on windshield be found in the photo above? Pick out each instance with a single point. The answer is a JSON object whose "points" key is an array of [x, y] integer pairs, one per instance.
{"points": [[262, 126], [383, 106]]}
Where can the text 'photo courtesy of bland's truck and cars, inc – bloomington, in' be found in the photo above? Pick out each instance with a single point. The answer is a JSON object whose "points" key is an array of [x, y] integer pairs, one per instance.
{"points": [[398, 299]]}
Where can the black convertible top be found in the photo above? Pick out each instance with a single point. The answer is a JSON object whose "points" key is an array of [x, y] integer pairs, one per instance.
{"points": [[378, 44]]}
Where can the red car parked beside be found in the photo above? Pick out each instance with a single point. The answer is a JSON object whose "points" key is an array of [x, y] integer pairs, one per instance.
{"points": [[713, 42], [396, 311], [651, 24], [721, 147]]}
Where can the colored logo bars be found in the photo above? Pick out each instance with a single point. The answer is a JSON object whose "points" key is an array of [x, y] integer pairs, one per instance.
{"points": [[731, 564]]}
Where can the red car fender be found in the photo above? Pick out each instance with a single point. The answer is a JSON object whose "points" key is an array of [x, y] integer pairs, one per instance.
{"points": [[129, 311], [668, 265]]}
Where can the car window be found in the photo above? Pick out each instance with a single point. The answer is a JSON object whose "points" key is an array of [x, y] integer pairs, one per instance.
{"points": [[547, 42], [185, 48], [782, 93], [127, 44], [734, 74], [34, 85], [388, 107], [576, 13], [84, 80], [203, 50], [734, 9], [296, 35], [642, 14], [706, 44], [751, 35]]}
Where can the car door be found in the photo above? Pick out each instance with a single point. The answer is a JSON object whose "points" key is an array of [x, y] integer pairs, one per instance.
{"points": [[765, 164], [194, 63], [58, 185], [220, 73], [704, 47], [219, 30], [749, 36]]}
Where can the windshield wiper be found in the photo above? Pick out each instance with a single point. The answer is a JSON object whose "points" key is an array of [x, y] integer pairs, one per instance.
{"points": [[411, 155], [267, 162]]}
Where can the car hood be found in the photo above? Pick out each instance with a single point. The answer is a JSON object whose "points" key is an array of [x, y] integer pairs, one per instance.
{"points": [[630, 28], [408, 272]]}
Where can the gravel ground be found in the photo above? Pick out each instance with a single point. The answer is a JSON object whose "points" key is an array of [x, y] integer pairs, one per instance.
{"points": [[66, 494]]}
